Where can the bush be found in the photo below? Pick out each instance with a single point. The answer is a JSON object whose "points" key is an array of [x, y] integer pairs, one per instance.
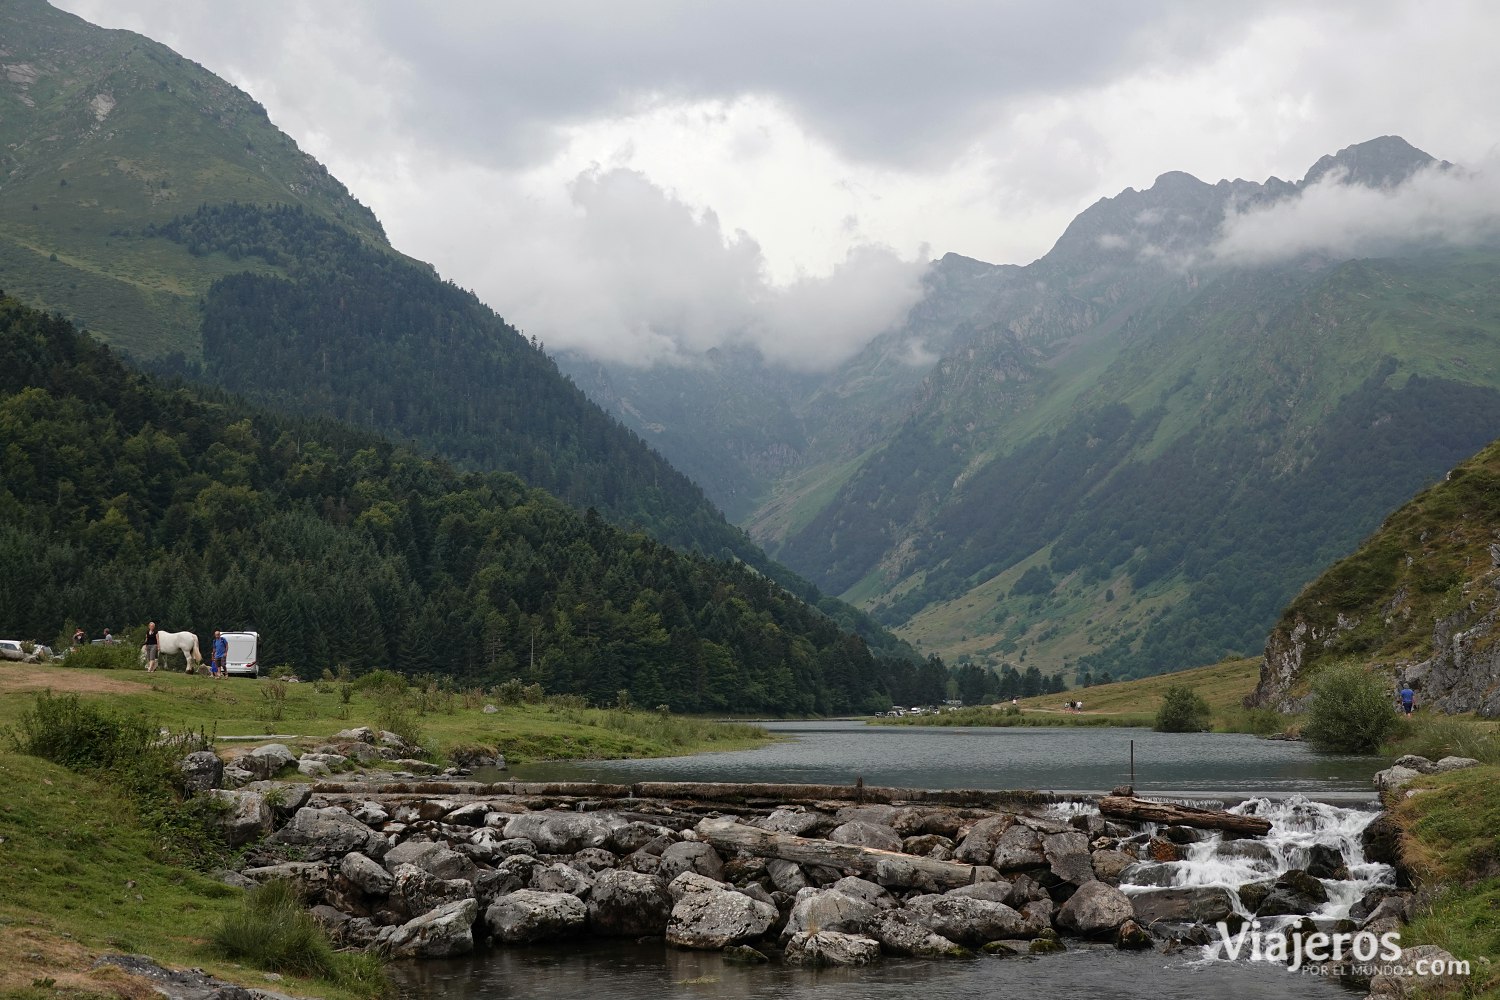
{"points": [[273, 931], [1437, 737], [381, 680], [1350, 711], [117, 656], [1182, 710], [394, 713]]}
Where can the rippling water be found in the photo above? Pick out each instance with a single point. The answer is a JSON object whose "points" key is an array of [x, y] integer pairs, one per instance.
{"points": [[1060, 759]]}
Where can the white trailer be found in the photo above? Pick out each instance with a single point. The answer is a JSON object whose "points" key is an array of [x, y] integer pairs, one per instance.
{"points": [[243, 657]]}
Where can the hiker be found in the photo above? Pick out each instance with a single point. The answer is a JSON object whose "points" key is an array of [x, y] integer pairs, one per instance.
{"points": [[151, 647], [79, 636], [216, 666], [1408, 700]]}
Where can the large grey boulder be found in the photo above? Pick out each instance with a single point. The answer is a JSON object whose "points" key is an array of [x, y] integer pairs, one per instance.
{"points": [[246, 816], [978, 847], [714, 920], [1396, 777], [688, 883], [1205, 905], [795, 820], [267, 761], [967, 920], [1454, 764], [901, 933], [1424, 969], [635, 835], [435, 859], [1018, 847], [995, 892], [628, 904], [330, 832], [688, 856], [366, 875], [831, 948], [418, 891], [1095, 910], [371, 814], [786, 876], [1110, 864], [527, 916], [562, 878], [444, 931], [879, 896], [865, 834], [828, 909], [202, 771], [560, 833], [312, 878]]}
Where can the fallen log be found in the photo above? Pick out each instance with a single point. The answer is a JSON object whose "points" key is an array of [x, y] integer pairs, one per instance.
{"points": [[888, 868], [1129, 807]]}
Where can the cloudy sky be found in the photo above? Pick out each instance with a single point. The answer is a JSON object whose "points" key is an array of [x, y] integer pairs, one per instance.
{"points": [[644, 179]]}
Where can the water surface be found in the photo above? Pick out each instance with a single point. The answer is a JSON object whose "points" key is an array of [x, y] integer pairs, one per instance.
{"points": [[1053, 758]]}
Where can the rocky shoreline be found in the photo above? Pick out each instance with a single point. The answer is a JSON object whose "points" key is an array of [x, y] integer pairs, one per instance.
{"points": [[416, 867]]}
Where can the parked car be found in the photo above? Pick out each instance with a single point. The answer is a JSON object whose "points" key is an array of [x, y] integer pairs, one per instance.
{"points": [[243, 657]]}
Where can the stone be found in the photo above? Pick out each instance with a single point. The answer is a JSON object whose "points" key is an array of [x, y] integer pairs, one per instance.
{"points": [[1453, 764], [1365, 907], [310, 877], [687, 883], [1186, 905], [787, 876], [330, 832], [418, 891], [1132, 937], [1095, 910], [1247, 850], [1293, 892], [202, 771], [1327, 862], [527, 916], [439, 933], [371, 814], [1109, 864], [1150, 873], [716, 919], [629, 904], [472, 814], [865, 834], [635, 835], [1018, 847], [364, 734], [1395, 777], [560, 833], [978, 845], [596, 859], [900, 933], [744, 955], [1381, 840], [831, 948], [795, 820], [686, 856], [562, 878], [966, 920], [1416, 763], [828, 909], [995, 892], [929, 845], [368, 876], [246, 816], [435, 859], [870, 892], [267, 761], [235, 776], [1405, 981]]}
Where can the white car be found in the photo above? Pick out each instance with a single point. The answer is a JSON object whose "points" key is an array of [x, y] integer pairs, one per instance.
{"points": [[10, 649], [243, 655]]}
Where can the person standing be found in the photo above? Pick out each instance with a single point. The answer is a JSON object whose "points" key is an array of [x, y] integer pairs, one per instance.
{"points": [[216, 666], [151, 647], [79, 636], [1408, 700]]}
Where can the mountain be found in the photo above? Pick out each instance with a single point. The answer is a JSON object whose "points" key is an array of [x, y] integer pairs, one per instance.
{"points": [[158, 206], [1419, 601], [126, 499], [1130, 454]]}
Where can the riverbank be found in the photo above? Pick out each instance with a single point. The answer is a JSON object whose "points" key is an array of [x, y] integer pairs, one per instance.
{"points": [[440, 719]]}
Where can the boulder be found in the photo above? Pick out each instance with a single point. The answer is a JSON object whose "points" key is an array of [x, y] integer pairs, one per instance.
{"points": [[560, 833], [1395, 777], [527, 916], [473, 814], [900, 933], [978, 846], [871, 893], [562, 878], [828, 909], [330, 832], [635, 835], [444, 931], [368, 876], [687, 883], [1366, 907], [310, 877], [371, 814], [1381, 840], [1403, 979], [1326, 861], [267, 761], [1205, 905], [865, 834], [877, 813], [363, 734], [1109, 864], [1453, 764], [1292, 893], [1132, 937], [418, 891], [967, 920], [1068, 857], [596, 859], [787, 876], [1095, 910], [246, 817], [1253, 851], [202, 771], [236, 776], [1415, 762], [1018, 847], [686, 856], [995, 892], [313, 768], [929, 845], [628, 904], [716, 919], [795, 820], [831, 948], [1150, 873], [436, 859]]}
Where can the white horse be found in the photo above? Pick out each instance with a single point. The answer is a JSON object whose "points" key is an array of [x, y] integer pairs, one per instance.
{"points": [[185, 643]]}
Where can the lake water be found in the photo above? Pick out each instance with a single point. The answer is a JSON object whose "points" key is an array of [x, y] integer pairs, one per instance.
{"points": [[1057, 759], [1075, 759]]}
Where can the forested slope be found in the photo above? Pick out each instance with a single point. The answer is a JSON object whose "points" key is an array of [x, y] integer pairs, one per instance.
{"points": [[124, 499]]}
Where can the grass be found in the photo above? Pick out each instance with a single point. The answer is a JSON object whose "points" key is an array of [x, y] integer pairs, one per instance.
{"points": [[311, 712], [272, 929], [1451, 838]]}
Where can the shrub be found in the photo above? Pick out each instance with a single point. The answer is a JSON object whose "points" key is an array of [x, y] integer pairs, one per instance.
{"points": [[1350, 711], [273, 931], [1182, 710], [511, 692], [117, 656], [1437, 737], [381, 680], [394, 713]]}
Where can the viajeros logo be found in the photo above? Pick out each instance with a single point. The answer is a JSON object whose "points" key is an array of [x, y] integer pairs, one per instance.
{"points": [[1368, 954]]}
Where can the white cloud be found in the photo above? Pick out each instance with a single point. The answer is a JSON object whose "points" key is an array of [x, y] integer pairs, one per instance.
{"points": [[1452, 207]]}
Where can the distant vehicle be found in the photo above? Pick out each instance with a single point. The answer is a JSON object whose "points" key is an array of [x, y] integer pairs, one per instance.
{"points": [[243, 657], [10, 649]]}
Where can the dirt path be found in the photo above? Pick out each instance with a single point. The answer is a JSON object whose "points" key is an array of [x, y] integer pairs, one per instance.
{"points": [[23, 677]]}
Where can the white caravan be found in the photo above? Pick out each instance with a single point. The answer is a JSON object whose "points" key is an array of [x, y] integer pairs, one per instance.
{"points": [[243, 657]]}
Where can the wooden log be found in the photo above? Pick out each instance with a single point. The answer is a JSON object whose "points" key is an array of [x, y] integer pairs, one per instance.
{"points": [[1129, 807], [888, 868]]}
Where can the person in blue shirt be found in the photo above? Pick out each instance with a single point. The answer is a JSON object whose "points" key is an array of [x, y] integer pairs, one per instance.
{"points": [[1408, 700], [216, 666]]}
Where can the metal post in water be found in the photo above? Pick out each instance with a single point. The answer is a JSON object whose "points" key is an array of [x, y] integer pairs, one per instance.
{"points": [[859, 790], [1132, 763]]}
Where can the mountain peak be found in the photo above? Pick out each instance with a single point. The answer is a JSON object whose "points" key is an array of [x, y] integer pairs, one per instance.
{"points": [[1379, 163]]}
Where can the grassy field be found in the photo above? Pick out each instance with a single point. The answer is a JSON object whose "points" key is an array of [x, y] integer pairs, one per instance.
{"points": [[307, 714]]}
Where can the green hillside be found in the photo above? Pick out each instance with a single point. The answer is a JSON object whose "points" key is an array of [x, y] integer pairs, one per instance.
{"points": [[125, 499]]}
